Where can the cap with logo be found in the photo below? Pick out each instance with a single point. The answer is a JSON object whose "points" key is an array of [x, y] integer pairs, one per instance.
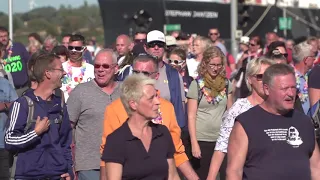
{"points": [[155, 35]]}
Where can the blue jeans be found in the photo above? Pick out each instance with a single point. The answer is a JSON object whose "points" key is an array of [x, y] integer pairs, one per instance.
{"points": [[89, 174]]}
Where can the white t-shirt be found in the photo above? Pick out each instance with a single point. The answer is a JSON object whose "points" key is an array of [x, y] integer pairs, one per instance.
{"points": [[192, 65], [76, 76]]}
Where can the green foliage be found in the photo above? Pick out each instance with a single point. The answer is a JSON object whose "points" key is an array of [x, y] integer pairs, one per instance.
{"points": [[48, 20]]}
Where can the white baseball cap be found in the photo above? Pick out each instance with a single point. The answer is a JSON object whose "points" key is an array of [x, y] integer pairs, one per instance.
{"points": [[244, 40], [156, 35]]}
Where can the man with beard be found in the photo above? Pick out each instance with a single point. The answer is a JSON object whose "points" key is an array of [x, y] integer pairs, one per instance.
{"points": [[87, 117], [41, 138], [273, 140], [77, 69], [15, 61]]}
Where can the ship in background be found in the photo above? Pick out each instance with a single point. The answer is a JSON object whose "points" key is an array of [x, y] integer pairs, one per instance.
{"points": [[197, 16]]}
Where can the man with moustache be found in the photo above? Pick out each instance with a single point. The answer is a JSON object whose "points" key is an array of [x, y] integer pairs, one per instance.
{"points": [[42, 144], [87, 117], [76, 68], [272, 140]]}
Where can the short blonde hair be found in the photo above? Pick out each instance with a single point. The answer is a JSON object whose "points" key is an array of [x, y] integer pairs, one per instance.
{"points": [[208, 54], [254, 66], [132, 89]]}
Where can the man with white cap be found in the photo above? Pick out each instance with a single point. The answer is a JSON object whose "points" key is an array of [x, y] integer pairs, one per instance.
{"points": [[170, 85], [243, 46]]}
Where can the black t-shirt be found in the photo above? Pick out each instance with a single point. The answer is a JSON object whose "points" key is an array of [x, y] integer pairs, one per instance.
{"points": [[314, 78], [124, 148], [279, 146]]}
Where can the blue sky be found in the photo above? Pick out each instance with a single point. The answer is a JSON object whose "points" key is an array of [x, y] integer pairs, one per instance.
{"points": [[23, 5]]}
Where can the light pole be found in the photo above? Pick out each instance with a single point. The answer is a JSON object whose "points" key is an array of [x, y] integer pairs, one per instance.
{"points": [[234, 23], [10, 20]]}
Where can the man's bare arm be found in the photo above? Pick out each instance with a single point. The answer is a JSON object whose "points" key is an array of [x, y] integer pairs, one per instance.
{"points": [[315, 163], [237, 152]]}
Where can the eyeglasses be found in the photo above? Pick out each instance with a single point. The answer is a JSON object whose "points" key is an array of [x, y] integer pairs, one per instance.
{"points": [[61, 70], [146, 73], [104, 66], [154, 44], [176, 62], [210, 34], [75, 48], [258, 77], [285, 55], [215, 65]]}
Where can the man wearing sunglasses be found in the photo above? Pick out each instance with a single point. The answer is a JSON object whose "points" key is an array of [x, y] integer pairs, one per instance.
{"points": [[87, 55], [86, 107], [116, 115], [214, 35], [77, 69], [170, 83]]}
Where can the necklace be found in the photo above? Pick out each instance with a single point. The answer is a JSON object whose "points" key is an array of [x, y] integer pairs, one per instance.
{"points": [[206, 92], [71, 80]]}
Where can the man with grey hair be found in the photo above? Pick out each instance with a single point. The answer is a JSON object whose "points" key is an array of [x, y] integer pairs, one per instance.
{"points": [[303, 57], [49, 43], [273, 140], [87, 117]]}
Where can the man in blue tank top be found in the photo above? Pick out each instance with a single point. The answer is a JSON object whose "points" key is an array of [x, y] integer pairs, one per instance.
{"points": [[272, 140]]}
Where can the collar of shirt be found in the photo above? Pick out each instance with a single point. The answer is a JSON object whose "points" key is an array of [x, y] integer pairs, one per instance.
{"points": [[130, 137]]}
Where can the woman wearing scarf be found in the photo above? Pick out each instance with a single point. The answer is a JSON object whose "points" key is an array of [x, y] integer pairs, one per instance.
{"points": [[209, 96]]}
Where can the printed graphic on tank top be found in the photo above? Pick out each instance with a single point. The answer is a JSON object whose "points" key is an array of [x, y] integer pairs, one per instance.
{"points": [[279, 146]]}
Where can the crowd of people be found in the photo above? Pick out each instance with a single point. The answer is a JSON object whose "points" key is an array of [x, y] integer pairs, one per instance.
{"points": [[158, 106]]}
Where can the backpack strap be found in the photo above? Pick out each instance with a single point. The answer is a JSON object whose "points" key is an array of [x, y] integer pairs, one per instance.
{"points": [[30, 119], [200, 93]]}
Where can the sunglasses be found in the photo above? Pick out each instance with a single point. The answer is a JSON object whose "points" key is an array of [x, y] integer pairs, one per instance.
{"points": [[76, 48], [105, 66], [176, 62], [146, 73], [258, 77], [210, 34], [285, 55], [154, 44]]}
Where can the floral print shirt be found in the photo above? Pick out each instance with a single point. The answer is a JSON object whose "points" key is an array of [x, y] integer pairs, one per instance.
{"points": [[240, 106]]}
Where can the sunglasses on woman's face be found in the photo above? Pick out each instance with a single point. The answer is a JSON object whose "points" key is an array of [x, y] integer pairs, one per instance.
{"points": [[75, 48], [176, 62], [258, 77]]}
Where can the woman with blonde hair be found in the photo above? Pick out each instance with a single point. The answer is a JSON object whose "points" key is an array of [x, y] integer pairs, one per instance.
{"points": [[34, 46], [254, 74], [200, 44], [209, 96]]}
